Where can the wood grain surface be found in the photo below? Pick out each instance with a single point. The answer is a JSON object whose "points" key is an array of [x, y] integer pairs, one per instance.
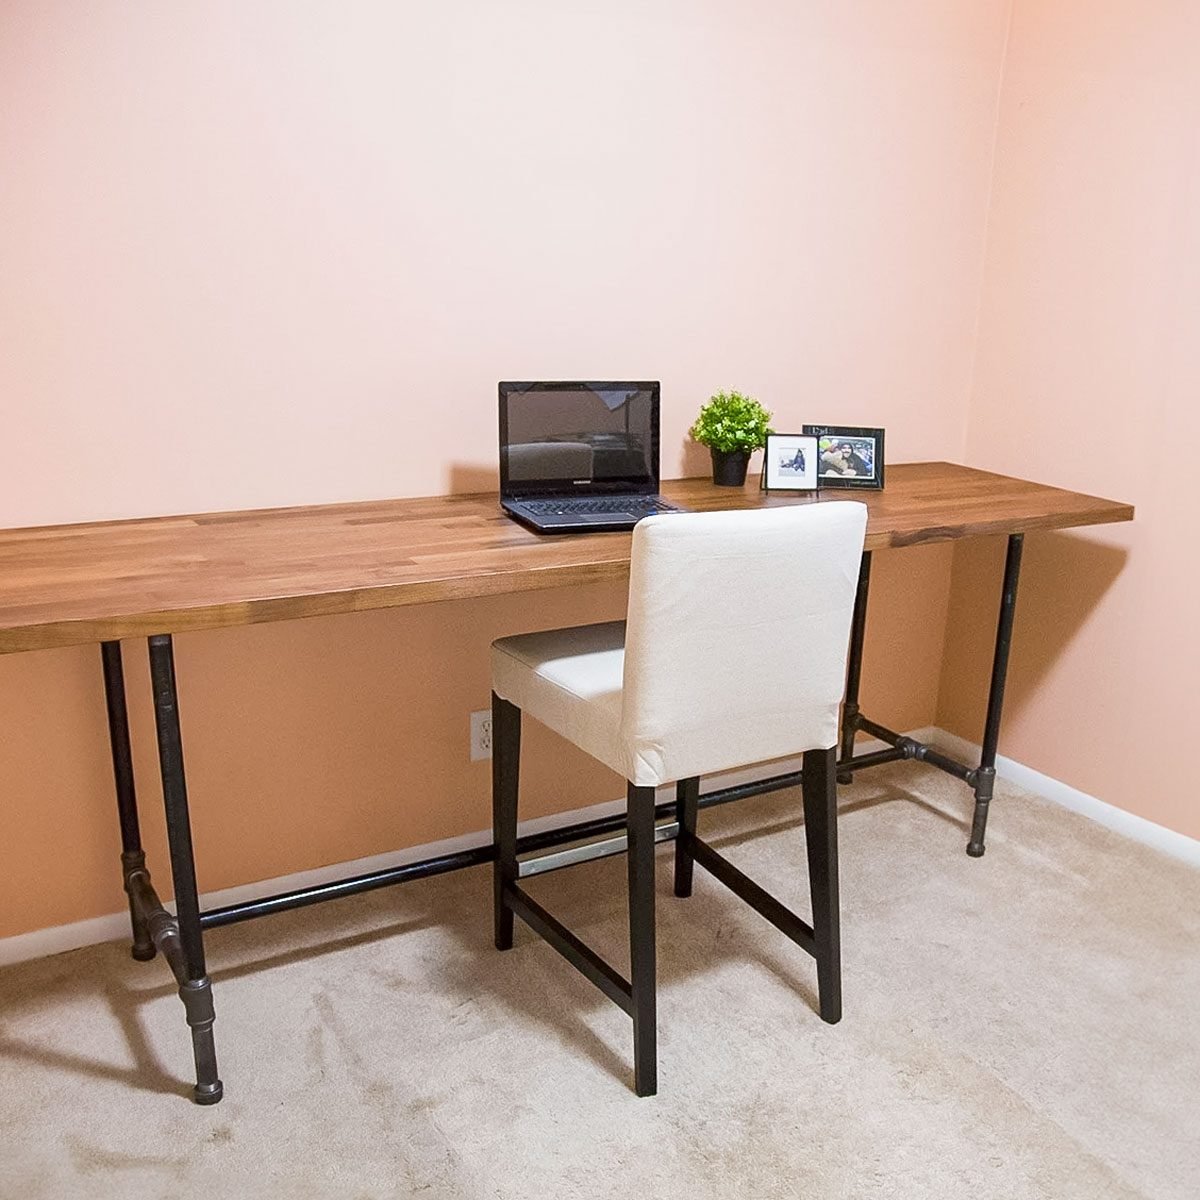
{"points": [[73, 584]]}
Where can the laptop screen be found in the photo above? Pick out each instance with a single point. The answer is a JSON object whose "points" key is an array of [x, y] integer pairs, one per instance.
{"points": [[588, 438]]}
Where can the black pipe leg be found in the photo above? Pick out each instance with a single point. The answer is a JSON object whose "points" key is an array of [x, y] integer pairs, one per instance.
{"points": [[195, 988], [506, 774], [820, 834], [687, 808], [642, 959], [985, 776], [133, 857], [858, 629]]}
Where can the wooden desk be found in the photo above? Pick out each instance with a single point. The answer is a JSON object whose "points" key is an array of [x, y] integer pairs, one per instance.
{"points": [[71, 584], [78, 584]]}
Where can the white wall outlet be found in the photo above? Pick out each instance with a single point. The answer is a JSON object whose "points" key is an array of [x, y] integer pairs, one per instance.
{"points": [[481, 735]]}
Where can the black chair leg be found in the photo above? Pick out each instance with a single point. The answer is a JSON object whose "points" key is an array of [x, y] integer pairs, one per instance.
{"points": [[506, 772], [820, 828], [687, 807], [640, 824]]}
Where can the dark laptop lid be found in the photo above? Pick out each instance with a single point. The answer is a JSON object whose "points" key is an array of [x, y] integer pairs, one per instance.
{"points": [[584, 437]]}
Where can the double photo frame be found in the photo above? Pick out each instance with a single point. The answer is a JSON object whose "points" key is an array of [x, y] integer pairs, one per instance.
{"points": [[824, 456]]}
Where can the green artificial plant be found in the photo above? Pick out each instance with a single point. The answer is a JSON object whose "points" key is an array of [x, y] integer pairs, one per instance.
{"points": [[731, 421]]}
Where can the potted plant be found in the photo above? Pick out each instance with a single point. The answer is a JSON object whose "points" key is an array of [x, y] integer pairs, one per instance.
{"points": [[732, 426]]}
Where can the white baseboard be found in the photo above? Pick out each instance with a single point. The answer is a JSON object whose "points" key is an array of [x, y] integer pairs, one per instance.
{"points": [[1127, 824], [41, 943], [115, 927]]}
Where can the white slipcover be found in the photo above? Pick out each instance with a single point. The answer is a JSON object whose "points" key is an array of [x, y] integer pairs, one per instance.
{"points": [[734, 651]]}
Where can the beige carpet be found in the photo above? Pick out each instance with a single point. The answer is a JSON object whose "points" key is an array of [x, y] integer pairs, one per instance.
{"points": [[1027, 1025]]}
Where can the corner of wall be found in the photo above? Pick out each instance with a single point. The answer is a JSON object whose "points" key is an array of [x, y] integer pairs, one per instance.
{"points": [[947, 714]]}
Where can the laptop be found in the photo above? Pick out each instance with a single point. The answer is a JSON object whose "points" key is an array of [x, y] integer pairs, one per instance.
{"points": [[580, 457]]}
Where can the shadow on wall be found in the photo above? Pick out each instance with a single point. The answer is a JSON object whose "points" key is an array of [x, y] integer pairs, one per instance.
{"points": [[1064, 577], [462, 478], [694, 458]]}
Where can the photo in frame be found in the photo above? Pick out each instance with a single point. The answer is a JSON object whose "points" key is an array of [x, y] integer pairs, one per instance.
{"points": [[848, 456], [790, 462]]}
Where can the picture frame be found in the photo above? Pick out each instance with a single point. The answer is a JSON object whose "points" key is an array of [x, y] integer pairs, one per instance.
{"points": [[848, 456], [790, 463]]}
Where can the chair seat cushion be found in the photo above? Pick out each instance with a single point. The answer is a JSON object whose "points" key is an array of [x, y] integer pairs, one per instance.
{"points": [[570, 680]]}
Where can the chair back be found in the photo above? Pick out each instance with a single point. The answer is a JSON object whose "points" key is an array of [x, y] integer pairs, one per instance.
{"points": [[737, 634]]}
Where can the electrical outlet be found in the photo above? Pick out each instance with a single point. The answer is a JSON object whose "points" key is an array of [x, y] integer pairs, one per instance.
{"points": [[481, 735]]}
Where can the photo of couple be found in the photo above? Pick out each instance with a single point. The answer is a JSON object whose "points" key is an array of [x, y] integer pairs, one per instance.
{"points": [[847, 457]]}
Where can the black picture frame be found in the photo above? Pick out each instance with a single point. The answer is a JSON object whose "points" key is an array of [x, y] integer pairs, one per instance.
{"points": [[775, 477], [829, 478]]}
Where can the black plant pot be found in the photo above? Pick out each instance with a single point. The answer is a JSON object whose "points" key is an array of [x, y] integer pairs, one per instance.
{"points": [[729, 466]]}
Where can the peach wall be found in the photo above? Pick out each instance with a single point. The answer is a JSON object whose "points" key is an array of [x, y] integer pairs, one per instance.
{"points": [[1088, 375], [282, 252]]}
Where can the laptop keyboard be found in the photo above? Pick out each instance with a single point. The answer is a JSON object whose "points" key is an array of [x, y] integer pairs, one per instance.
{"points": [[640, 506]]}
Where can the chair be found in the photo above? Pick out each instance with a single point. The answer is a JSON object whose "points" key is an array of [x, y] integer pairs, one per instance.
{"points": [[733, 653]]}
